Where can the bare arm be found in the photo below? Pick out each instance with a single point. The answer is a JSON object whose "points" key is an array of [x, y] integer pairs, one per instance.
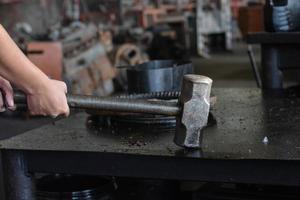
{"points": [[44, 96], [16, 68]]}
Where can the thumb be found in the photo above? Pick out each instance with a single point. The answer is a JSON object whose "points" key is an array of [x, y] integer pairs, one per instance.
{"points": [[8, 94]]}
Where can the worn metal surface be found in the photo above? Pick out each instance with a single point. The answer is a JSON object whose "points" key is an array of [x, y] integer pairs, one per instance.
{"points": [[233, 151], [244, 118], [194, 99], [15, 123]]}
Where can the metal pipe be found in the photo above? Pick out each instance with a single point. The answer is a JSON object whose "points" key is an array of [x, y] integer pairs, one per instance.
{"points": [[115, 104], [254, 66], [123, 105]]}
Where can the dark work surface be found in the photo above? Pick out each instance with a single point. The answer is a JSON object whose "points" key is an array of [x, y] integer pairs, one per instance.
{"points": [[14, 123], [244, 120], [273, 38]]}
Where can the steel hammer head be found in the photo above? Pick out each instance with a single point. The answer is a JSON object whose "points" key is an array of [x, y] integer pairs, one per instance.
{"points": [[194, 101]]}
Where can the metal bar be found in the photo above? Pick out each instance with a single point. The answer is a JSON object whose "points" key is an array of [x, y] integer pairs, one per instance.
{"points": [[254, 66], [115, 104], [183, 167], [271, 74], [123, 105]]}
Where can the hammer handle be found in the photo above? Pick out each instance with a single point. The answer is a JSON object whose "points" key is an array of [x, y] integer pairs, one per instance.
{"points": [[114, 104]]}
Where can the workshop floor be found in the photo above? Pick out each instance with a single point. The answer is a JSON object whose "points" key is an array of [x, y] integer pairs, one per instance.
{"points": [[228, 69]]}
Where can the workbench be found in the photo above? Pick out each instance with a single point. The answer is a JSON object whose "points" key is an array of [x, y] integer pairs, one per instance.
{"points": [[256, 141], [279, 52]]}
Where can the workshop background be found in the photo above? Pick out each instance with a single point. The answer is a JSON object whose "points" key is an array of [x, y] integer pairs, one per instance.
{"points": [[117, 47], [88, 40]]}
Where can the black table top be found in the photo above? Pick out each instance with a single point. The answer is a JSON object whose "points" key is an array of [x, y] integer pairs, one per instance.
{"points": [[273, 38], [15, 123], [245, 121]]}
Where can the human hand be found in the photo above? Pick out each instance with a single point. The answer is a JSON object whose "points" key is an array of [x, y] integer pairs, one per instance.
{"points": [[49, 99], [6, 95]]}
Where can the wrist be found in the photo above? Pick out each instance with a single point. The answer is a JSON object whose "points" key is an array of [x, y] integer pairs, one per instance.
{"points": [[37, 86]]}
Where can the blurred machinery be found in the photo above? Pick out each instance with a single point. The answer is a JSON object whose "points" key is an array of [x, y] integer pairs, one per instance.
{"points": [[170, 25], [282, 15], [76, 56], [213, 24], [87, 68]]}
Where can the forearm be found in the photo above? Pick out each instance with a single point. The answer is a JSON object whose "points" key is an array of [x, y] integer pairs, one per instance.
{"points": [[17, 68]]}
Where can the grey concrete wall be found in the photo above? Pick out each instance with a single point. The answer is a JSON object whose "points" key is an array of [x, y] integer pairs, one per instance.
{"points": [[40, 14]]}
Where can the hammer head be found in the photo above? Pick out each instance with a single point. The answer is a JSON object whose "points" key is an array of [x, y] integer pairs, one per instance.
{"points": [[194, 101]]}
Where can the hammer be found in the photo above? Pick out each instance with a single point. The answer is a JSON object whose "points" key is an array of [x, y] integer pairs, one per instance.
{"points": [[191, 111]]}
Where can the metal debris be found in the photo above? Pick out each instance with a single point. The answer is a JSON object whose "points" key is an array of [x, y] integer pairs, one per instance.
{"points": [[265, 140]]}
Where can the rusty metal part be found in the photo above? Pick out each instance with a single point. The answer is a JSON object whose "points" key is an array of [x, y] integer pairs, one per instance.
{"points": [[194, 100]]}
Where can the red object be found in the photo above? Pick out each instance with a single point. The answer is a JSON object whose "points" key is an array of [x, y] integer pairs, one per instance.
{"points": [[47, 56], [251, 19], [235, 7]]}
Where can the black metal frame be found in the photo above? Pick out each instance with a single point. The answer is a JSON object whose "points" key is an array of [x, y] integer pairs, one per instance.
{"points": [[20, 185], [279, 51], [18, 182]]}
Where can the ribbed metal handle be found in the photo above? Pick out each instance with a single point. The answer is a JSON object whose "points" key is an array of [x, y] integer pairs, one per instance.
{"points": [[114, 104]]}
